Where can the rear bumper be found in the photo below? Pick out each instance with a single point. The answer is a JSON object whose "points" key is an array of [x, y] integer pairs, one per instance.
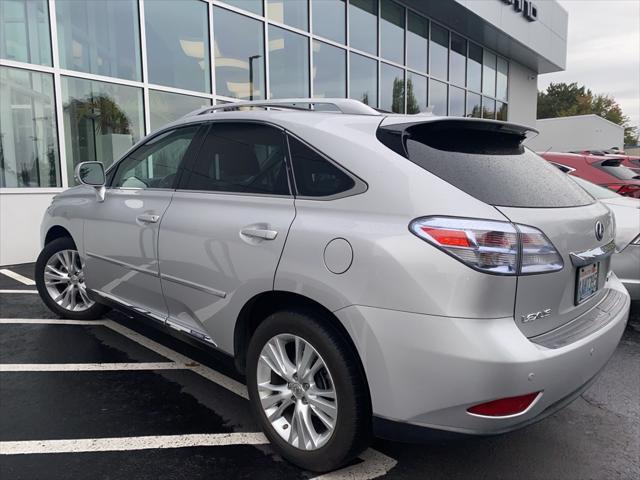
{"points": [[425, 371]]}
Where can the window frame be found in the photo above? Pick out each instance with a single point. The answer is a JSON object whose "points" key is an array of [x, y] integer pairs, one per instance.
{"points": [[193, 149], [189, 164]]}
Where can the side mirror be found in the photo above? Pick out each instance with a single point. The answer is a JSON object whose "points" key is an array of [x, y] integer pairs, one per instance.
{"points": [[92, 174]]}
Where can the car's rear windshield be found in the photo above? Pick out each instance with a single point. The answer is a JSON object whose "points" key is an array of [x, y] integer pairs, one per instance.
{"points": [[596, 191], [613, 167], [485, 160]]}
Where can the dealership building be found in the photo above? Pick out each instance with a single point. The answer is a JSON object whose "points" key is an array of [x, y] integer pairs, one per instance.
{"points": [[84, 80]]}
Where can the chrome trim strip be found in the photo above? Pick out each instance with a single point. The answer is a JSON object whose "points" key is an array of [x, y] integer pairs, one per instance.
{"points": [[580, 259], [197, 286], [142, 311], [123, 264], [194, 333]]}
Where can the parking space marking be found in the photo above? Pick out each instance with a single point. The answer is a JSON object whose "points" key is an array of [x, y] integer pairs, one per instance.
{"points": [[16, 276], [374, 465], [30, 447], [88, 367], [17, 291]]}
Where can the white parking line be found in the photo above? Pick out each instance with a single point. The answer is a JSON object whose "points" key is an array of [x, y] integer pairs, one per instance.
{"points": [[374, 464], [17, 276], [18, 291], [130, 443], [89, 367]]}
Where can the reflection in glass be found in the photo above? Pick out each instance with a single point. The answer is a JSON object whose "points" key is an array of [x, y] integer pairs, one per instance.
{"points": [[489, 74], [474, 107], [438, 97], [99, 37], [488, 108], [501, 111], [254, 6], [24, 31], [239, 55], [165, 107], [328, 19], [363, 79], [178, 44], [474, 68], [101, 121], [456, 102], [289, 12], [329, 71], [363, 25], [28, 134], [439, 51], [458, 60], [391, 88], [416, 93], [417, 42], [502, 79], [288, 64], [392, 31]]}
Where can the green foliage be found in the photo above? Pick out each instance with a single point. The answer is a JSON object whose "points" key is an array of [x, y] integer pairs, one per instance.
{"points": [[569, 99]]}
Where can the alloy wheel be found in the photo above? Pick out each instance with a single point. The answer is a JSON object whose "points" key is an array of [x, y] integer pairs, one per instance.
{"points": [[64, 280], [297, 392]]}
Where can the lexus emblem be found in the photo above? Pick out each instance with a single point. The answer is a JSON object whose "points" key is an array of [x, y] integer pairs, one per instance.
{"points": [[599, 230]]}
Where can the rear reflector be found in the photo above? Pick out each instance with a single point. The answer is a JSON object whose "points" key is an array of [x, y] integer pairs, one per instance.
{"points": [[504, 407]]}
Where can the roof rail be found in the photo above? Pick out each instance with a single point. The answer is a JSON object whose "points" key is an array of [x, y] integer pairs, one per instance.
{"points": [[343, 105]]}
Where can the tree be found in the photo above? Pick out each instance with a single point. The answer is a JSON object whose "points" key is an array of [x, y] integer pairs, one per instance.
{"points": [[568, 99]]}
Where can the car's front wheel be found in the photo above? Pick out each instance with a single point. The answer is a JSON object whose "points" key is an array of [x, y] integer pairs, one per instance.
{"points": [[308, 390], [60, 281]]}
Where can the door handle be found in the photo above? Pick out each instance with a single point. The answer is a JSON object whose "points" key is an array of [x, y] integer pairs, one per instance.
{"points": [[146, 218], [262, 233]]}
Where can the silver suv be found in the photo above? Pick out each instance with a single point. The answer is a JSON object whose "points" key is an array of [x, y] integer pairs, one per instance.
{"points": [[370, 273]]}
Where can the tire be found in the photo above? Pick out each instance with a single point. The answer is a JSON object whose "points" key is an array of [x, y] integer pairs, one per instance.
{"points": [[64, 269], [341, 371]]}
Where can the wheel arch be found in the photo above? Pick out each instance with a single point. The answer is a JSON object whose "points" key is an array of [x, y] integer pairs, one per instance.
{"points": [[264, 304], [55, 232]]}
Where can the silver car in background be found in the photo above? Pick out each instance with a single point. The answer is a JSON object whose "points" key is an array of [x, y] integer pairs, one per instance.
{"points": [[626, 210], [369, 273]]}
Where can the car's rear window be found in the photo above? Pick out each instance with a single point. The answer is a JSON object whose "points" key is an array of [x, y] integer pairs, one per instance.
{"points": [[487, 161], [613, 167]]}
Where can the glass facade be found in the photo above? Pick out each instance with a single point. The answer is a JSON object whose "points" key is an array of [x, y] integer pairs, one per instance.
{"points": [[119, 69]]}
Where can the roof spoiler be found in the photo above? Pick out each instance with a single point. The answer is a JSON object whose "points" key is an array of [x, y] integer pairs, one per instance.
{"points": [[401, 122]]}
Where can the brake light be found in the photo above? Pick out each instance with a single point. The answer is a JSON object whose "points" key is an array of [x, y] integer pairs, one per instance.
{"points": [[490, 246], [629, 190], [504, 407]]}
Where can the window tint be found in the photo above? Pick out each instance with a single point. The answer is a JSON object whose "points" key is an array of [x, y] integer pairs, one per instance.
{"points": [[314, 175], [155, 164], [487, 163], [241, 158]]}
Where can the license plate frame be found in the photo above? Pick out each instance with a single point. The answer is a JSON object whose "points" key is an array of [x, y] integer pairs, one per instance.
{"points": [[587, 284]]}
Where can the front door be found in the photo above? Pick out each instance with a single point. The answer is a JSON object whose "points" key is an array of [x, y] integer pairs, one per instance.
{"points": [[121, 235], [222, 236]]}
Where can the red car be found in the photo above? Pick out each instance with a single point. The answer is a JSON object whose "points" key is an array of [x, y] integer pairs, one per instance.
{"points": [[607, 171], [629, 161]]}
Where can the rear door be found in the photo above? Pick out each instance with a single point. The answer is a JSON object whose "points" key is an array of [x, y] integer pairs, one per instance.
{"points": [[222, 236], [121, 236]]}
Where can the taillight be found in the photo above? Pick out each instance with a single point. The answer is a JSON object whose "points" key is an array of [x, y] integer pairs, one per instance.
{"points": [[490, 246], [504, 407], [629, 190]]}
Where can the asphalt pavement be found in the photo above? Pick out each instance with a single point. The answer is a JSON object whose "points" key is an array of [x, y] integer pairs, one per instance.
{"points": [[117, 398]]}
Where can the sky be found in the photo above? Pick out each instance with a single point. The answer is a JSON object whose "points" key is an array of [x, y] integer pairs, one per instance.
{"points": [[603, 51]]}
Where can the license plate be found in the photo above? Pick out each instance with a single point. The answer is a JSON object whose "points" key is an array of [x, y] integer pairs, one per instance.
{"points": [[587, 282]]}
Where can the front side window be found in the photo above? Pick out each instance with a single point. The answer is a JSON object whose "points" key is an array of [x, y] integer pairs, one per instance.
{"points": [[155, 164], [315, 176], [240, 158]]}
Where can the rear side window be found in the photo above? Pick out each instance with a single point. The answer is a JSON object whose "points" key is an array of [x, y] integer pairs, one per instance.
{"points": [[487, 161], [315, 176], [240, 158], [613, 167]]}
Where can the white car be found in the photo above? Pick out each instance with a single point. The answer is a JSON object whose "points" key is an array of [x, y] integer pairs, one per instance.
{"points": [[625, 263]]}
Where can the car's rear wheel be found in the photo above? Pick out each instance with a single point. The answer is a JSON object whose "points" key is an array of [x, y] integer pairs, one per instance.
{"points": [[60, 281], [308, 390]]}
